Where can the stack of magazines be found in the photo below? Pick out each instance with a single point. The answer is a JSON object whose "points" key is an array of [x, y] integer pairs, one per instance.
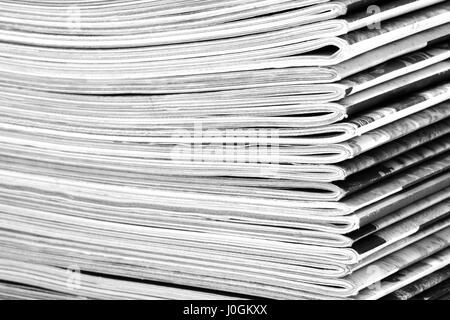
{"points": [[282, 149]]}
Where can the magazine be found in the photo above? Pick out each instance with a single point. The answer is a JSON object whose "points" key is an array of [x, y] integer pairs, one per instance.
{"points": [[439, 292], [175, 149], [410, 291], [249, 280], [233, 149], [266, 188], [406, 276], [400, 214], [51, 282]]}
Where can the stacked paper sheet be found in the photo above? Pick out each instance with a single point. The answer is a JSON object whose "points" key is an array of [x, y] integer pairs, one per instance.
{"points": [[224, 149]]}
